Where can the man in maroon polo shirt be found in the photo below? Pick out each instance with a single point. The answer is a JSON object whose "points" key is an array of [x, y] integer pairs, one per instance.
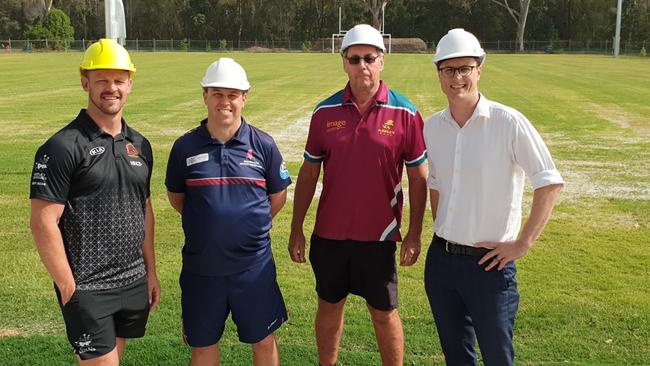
{"points": [[363, 135]]}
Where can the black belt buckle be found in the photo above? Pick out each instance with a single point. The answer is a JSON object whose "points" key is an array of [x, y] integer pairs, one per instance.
{"points": [[460, 249]]}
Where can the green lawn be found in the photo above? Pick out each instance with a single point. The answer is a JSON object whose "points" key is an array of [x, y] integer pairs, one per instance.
{"points": [[584, 287]]}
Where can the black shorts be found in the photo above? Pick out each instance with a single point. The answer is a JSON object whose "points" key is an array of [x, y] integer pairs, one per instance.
{"points": [[366, 269], [93, 319]]}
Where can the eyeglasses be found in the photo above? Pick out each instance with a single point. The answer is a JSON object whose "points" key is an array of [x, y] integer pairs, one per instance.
{"points": [[451, 71], [368, 59]]}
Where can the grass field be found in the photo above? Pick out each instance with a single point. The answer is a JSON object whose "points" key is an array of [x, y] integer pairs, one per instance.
{"points": [[584, 286]]}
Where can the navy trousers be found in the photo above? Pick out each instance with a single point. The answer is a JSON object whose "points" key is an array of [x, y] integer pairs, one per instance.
{"points": [[468, 303]]}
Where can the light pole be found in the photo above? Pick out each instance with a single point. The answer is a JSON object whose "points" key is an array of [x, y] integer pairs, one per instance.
{"points": [[617, 36]]}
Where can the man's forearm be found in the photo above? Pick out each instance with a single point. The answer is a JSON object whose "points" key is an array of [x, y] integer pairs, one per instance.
{"points": [[543, 202]]}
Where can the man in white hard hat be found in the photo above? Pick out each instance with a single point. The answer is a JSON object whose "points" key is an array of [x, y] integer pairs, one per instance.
{"points": [[91, 214], [227, 179], [363, 136], [479, 153]]}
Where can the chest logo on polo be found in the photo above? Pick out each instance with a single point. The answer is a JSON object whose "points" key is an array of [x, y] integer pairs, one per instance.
{"points": [[98, 150], [131, 150], [250, 160], [200, 158], [335, 125], [387, 129]]}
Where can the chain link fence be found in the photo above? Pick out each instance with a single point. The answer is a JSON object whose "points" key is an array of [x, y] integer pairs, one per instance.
{"points": [[324, 44]]}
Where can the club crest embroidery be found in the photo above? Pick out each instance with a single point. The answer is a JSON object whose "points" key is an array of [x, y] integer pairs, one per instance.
{"points": [[250, 160], [131, 150], [388, 128]]}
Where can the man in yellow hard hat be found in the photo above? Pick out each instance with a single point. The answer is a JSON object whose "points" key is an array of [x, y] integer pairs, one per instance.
{"points": [[91, 214]]}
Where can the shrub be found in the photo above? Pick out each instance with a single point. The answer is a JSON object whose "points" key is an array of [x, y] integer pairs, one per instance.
{"points": [[185, 45], [306, 46], [56, 28], [643, 52], [223, 44]]}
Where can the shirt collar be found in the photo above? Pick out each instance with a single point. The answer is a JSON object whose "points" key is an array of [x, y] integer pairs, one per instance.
{"points": [[240, 135], [481, 111], [381, 97], [93, 131]]}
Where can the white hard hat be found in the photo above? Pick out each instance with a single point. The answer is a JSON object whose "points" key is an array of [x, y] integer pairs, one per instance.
{"points": [[363, 34], [458, 43], [225, 73]]}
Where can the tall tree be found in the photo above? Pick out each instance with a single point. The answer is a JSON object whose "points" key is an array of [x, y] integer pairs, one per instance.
{"points": [[36, 9], [519, 17], [375, 7]]}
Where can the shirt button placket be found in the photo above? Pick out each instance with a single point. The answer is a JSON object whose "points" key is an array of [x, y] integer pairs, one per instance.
{"points": [[456, 177]]}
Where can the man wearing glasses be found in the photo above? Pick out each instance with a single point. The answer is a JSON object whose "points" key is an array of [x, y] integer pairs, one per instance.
{"points": [[479, 152], [362, 135]]}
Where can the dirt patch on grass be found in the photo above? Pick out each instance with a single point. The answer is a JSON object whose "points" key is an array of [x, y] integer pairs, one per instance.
{"points": [[620, 117], [7, 332]]}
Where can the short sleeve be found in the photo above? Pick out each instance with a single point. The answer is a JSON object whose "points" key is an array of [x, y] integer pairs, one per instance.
{"points": [[277, 175], [314, 151], [54, 166], [533, 156], [147, 153], [175, 177], [415, 152]]}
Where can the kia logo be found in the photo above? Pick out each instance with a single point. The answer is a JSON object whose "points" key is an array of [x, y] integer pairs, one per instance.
{"points": [[97, 150]]}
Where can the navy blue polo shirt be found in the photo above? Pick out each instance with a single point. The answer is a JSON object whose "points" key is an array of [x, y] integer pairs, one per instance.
{"points": [[227, 214]]}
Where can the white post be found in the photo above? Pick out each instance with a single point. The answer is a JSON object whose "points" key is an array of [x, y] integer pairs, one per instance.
{"points": [[383, 18], [617, 37], [339, 20], [114, 19]]}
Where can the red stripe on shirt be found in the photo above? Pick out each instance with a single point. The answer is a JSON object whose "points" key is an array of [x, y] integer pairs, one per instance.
{"points": [[225, 181]]}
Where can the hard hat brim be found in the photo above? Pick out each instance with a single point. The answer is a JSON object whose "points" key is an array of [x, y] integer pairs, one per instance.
{"points": [[242, 87]]}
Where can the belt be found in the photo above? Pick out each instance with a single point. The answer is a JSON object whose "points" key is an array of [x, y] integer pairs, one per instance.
{"points": [[460, 249]]}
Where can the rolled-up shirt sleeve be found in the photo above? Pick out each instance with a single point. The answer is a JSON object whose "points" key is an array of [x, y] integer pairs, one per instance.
{"points": [[532, 154]]}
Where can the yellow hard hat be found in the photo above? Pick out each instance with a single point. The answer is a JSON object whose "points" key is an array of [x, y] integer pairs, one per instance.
{"points": [[106, 54]]}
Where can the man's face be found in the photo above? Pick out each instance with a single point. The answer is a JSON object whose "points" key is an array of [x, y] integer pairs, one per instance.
{"points": [[363, 74], [224, 105], [107, 89], [459, 78]]}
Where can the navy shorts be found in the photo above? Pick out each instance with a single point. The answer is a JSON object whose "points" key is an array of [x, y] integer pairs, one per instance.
{"points": [[366, 269], [252, 296], [94, 318]]}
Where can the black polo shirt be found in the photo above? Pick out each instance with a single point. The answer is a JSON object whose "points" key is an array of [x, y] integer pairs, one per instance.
{"points": [[104, 184]]}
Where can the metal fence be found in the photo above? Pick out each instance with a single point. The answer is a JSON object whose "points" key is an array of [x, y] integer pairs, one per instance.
{"points": [[321, 45]]}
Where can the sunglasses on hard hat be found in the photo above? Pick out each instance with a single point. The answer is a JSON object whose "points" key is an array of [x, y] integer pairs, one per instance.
{"points": [[368, 59]]}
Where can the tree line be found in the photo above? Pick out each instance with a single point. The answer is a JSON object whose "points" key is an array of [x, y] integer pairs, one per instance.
{"points": [[309, 20]]}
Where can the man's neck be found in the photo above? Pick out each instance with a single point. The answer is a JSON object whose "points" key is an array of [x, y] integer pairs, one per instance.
{"points": [[221, 131], [363, 98], [462, 110], [111, 124]]}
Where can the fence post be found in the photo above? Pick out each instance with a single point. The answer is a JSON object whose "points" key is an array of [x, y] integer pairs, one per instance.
{"points": [[172, 46], [46, 45], [137, 46], [498, 45], [154, 45]]}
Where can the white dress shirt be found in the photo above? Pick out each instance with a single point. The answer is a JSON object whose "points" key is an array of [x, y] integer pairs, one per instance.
{"points": [[479, 171]]}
